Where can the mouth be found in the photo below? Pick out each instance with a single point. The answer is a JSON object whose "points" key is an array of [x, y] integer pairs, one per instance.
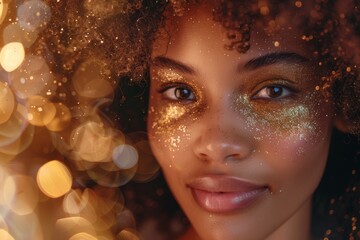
{"points": [[224, 194]]}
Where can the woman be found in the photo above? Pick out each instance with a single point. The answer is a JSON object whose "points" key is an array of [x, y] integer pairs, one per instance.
{"points": [[243, 104], [242, 137]]}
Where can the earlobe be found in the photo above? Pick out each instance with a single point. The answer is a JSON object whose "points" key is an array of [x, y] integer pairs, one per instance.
{"points": [[343, 124]]}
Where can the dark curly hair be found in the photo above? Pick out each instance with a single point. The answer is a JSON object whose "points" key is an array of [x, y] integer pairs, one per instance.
{"points": [[121, 33]]}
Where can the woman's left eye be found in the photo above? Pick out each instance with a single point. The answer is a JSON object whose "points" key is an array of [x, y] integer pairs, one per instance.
{"points": [[180, 93], [273, 92]]}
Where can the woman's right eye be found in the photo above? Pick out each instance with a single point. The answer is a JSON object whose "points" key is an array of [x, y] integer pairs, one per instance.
{"points": [[180, 93]]}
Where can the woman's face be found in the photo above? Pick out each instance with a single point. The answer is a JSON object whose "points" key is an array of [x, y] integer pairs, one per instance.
{"points": [[242, 139]]}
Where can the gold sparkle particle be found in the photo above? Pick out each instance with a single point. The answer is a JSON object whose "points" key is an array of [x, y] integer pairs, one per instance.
{"points": [[276, 43], [298, 4], [348, 69]]}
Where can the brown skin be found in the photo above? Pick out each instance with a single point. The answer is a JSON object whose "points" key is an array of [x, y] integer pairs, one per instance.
{"points": [[230, 123]]}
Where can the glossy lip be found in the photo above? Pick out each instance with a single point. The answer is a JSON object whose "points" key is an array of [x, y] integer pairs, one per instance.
{"points": [[224, 194]]}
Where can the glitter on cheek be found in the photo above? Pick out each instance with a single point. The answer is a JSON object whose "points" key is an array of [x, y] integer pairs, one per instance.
{"points": [[285, 120], [170, 114]]}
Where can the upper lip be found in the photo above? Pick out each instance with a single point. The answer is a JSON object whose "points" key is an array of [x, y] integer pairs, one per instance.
{"points": [[223, 184]]}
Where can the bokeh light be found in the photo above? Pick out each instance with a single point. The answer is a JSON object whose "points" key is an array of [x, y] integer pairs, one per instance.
{"points": [[14, 33], [32, 78], [3, 10], [20, 194], [125, 156], [11, 56], [40, 111], [83, 236], [7, 101], [54, 179], [88, 80], [63, 160], [128, 234], [61, 119], [33, 14], [4, 235]]}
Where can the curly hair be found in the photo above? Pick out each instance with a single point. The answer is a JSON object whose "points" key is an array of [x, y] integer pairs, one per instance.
{"points": [[120, 34]]}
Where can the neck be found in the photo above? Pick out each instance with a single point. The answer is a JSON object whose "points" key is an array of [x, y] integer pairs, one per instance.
{"points": [[295, 228]]}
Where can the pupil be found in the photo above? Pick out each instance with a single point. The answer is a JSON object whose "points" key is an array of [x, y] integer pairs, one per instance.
{"points": [[182, 93], [274, 92]]}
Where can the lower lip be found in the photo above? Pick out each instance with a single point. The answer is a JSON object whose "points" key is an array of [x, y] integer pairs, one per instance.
{"points": [[226, 202]]}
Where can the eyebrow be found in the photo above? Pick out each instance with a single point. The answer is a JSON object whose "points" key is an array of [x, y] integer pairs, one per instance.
{"points": [[252, 64], [165, 62], [275, 58]]}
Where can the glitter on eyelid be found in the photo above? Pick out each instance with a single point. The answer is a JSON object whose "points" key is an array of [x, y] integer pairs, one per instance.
{"points": [[168, 75]]}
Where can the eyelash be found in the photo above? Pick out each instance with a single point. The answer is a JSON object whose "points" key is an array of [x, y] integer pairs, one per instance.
{"points": [[171, 95], [289, 92], [164, 90]]}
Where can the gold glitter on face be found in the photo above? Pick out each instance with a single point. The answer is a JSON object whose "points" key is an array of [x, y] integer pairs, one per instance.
{"points": [[287, 120], [254, 116], [168, 115]]}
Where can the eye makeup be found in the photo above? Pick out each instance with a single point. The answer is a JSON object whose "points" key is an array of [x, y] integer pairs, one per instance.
{"points": [[167, 112]]}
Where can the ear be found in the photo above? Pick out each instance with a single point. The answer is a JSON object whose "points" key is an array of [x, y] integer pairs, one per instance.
{"points": [[343, 124]]}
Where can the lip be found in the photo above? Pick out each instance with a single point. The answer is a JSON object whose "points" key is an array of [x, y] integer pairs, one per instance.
{"points": [[224, 194]]}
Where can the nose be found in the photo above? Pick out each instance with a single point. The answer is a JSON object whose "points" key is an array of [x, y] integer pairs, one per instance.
{"points": [[223, 137]]}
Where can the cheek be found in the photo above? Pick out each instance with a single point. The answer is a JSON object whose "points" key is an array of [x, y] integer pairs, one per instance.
{"points": [[167, 136], [297, 161]]}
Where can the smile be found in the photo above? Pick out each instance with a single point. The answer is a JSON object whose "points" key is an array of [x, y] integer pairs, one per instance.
{"points": [[222, 194]]}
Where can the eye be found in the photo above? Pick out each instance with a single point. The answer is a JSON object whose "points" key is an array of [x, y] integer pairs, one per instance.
{"points": [[274, 91], [181, 93]]}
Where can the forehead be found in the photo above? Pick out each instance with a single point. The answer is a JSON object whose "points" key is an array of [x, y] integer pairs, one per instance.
{"points": [[200, 31]]}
